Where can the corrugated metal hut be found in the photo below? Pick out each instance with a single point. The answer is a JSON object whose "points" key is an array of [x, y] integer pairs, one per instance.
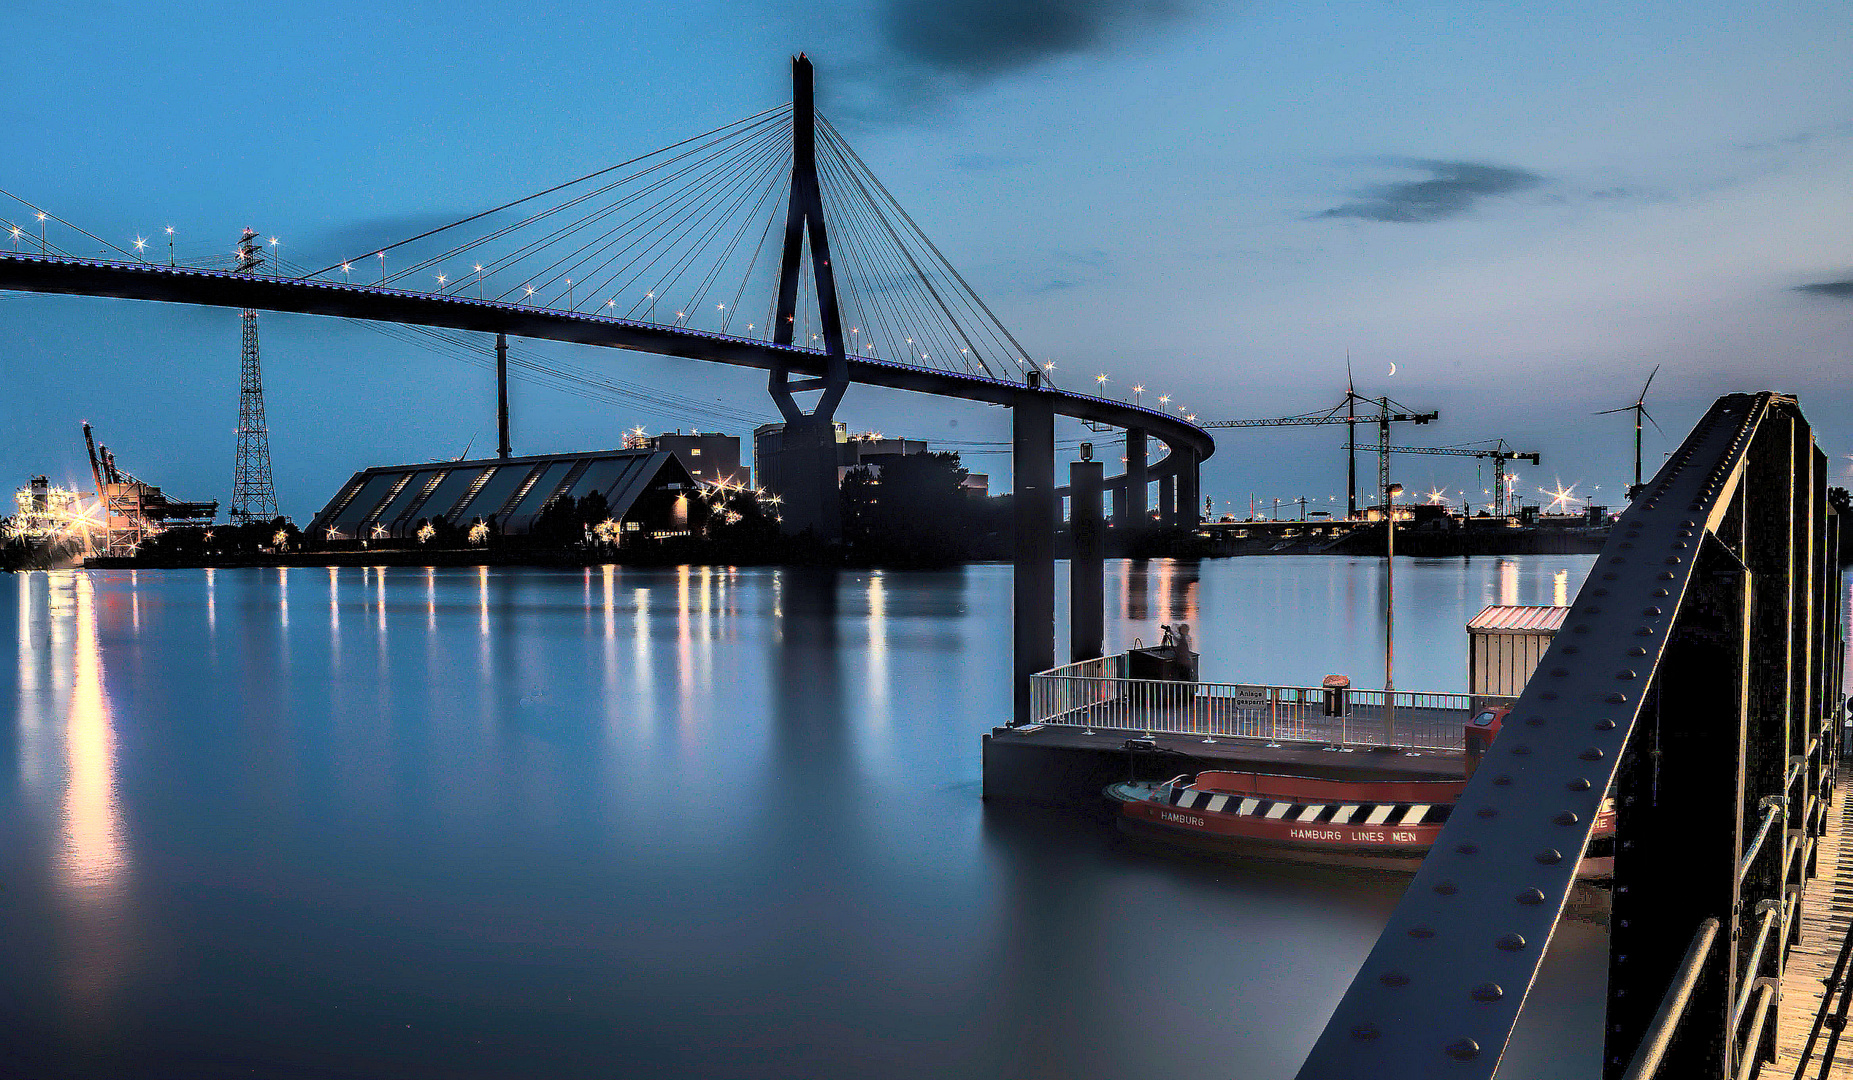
{"points": [[1505, 643]]}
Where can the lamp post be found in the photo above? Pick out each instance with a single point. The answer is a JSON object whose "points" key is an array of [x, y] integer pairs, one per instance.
{"points": [[1389, 615]]}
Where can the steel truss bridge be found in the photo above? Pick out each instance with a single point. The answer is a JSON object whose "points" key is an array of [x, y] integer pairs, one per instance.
{"points": [[1697, 680]]}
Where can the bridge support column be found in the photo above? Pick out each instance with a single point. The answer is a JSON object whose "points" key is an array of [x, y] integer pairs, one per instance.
{"points": [[807, 479], [1137, 477], [1086, 608], [501, 394], [1189, 497], [1167, 500], [1032, 466], [1683, 776]]}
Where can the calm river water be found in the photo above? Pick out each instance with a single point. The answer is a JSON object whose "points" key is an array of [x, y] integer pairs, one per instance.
{"points": [[695, 822]]}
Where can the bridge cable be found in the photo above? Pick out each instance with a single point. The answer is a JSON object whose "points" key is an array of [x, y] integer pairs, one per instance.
{"points": [[558, 187]]}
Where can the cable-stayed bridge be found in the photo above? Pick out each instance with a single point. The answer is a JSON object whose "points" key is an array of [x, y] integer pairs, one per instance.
{"points": [[764, 243]]}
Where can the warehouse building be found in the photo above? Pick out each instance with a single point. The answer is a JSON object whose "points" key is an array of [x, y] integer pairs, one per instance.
{"points": [[647, 490]]}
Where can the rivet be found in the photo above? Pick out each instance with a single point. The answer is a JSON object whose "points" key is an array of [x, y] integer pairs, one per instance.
{"points": [[1578, 784], [1619, 559], [1549, 695], [1393, 978], [1511, 942], [1617, 698], [1521, 750], [1605, 725], [1534, 721], [1558, 673], [1650, 612], [1579, 628], [1549, 856], [1421, 933], [1447, 888], [1637, 651], [1599, 592], [1672, 560], [1643, 631], [1488, 992], [1610, 576], [1681, 546], [1502, 781], [1364, 1032], [1565, 818], [1530, 897], [1486, 812], [1463, 1049], [1625, 673], [1468, 848]]}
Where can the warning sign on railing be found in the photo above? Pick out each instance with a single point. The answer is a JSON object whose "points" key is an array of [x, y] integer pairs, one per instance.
{"points": [[1250, 697]]}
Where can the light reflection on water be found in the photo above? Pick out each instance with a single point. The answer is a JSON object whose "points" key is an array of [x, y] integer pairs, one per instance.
{"points": [[704, 820]]}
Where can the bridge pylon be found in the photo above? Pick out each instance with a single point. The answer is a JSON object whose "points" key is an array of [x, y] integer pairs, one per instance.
{"points": [[808, 456]]}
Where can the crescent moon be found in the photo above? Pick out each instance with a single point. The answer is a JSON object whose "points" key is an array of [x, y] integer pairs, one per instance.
{"points": [[1392, 367]]}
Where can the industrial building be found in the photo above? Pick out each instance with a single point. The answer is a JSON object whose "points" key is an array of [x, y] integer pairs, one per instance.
{"points": [[647, 490], [853, 451], [709, 458]]}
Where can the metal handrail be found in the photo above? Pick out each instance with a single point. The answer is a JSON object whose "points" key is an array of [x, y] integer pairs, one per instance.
{"points": [[1773, 808], [1095, 693], [1766, 990], [1769, 908], [1673, 1004]]}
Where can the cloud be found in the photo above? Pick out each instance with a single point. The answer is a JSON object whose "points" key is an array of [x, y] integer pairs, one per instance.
{"points": [[935, 49], [995, 37], [1838, 289], [1452, 189]]}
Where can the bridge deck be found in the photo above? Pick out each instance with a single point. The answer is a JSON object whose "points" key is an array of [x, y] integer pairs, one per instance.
{"points": [[1814, 985]]}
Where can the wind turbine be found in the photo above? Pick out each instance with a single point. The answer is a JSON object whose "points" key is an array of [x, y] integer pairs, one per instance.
{"points": [[1639, 409]]}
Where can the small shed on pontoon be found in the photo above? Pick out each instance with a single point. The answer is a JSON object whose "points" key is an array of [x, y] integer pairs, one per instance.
{"points": [[1505, 643]]}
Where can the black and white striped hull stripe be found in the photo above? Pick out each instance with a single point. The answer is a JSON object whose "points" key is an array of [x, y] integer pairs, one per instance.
{"points": [[1334, 813]]}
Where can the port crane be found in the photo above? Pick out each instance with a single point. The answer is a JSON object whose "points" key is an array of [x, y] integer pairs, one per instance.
{"points": [[1346, 412], [1499, 452]]}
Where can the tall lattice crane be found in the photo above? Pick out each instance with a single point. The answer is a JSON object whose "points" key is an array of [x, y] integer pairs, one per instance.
{"points": [[254, 497], [1500, 453], [1346, 412]]}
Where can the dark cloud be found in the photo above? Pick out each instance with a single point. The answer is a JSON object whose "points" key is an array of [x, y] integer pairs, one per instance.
{"points": [[995, 37], [935, 49], [1838, 289], [1452, 189]]}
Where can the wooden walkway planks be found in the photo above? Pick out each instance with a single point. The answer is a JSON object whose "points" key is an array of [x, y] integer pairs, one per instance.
{"points": [[1803, 1041]]}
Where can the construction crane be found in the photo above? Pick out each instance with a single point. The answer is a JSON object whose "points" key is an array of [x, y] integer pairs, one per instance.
{"points": [[1499, 452], [1346, 412]]}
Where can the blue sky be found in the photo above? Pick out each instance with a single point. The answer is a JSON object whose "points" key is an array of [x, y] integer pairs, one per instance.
{"points": [[1524, 207]]}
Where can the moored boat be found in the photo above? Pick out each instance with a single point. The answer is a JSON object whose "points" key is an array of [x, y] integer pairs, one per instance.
{"points": [[1381, 824]]}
